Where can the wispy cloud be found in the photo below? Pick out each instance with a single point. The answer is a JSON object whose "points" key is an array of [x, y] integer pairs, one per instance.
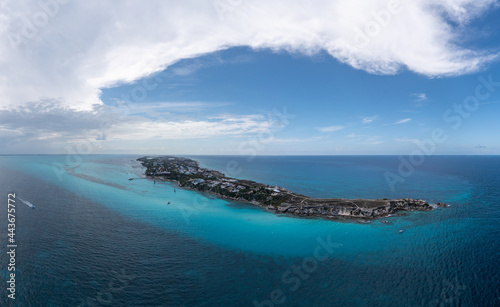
{"points": [[403, 121], [363, 139], [171, 106], [367, 120], [372, 140], [353, 135], [140, 129], [177, 110], [191, 66], [419, 96], [331, 128], [294, 140]]}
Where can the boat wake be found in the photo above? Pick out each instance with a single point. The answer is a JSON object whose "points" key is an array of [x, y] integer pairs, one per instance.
{"points": [[27, 203]]}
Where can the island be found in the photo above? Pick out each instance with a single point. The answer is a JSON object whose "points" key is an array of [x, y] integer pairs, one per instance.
{"points": [[188, 174]]}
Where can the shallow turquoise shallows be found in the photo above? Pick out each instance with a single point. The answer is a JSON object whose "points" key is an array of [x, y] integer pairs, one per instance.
{"points": [[96, 237]]}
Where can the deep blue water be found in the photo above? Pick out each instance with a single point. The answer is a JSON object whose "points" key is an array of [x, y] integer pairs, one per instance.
{"points": [[96, 238]]}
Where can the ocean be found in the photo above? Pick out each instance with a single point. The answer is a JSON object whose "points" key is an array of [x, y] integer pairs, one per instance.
{"points": [[96, 238]]}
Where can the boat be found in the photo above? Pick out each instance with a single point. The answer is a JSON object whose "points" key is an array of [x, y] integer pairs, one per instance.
{"points": [[168, 203], [131, 179]]}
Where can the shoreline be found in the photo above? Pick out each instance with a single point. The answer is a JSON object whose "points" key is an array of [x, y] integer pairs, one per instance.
{"points": [[187, 174]]}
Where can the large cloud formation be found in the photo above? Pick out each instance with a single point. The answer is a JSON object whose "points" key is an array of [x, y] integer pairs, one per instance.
{"points": [[69, 50]]}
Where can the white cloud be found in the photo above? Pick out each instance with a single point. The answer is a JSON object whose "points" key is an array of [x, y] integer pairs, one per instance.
{"points": [[353, 135], [293, 140], [171, 106], [330, 128], [403, 121], [372, 140], [50, 122], [83, 46], [140, 129], [367, 120], [363, 139], [419, 96]]}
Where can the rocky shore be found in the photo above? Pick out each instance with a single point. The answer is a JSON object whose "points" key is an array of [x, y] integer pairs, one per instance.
{"points": [[188, 174]]}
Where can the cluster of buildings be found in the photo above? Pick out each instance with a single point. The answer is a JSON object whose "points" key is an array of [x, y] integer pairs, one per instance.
{"points": [[188, 173], [231, 185]]}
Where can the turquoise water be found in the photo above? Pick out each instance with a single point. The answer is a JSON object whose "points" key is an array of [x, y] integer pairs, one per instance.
{"points": [[200, 250]]}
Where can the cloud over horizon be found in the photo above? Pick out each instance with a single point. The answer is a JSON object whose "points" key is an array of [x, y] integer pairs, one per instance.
{"points": [[69, 50], [48, 123]]}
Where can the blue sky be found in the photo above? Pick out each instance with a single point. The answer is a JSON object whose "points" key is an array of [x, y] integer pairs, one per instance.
{"points": [[250, 78], [336, 109]]}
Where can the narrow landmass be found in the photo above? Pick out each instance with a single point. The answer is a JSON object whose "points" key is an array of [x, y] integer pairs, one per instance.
{"points": [[188, 174]]}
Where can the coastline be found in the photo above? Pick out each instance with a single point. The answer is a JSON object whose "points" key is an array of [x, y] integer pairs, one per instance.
{"points": [[189, 175]]}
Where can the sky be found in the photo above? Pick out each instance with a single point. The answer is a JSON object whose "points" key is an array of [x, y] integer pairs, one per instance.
{"points": [[237, 77]]}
